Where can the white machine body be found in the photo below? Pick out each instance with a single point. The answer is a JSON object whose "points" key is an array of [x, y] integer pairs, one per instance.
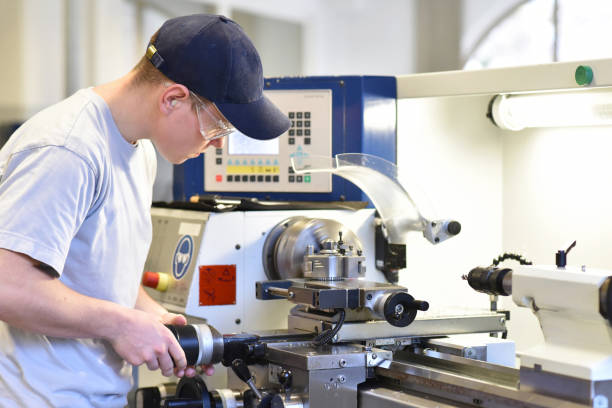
{"points": [[577, 339], [237, 238]]}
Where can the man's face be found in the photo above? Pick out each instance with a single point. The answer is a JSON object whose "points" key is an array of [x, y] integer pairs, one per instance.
{"points": [[179, 137]]}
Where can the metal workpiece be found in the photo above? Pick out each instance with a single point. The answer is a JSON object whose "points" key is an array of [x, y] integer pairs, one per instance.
{"points": [[333, 264], [381, 332], [291, 240], [468, 382]]}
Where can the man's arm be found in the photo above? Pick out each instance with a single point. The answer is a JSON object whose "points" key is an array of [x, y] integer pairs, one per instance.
{"points": [[147, 304], [33, 300]]}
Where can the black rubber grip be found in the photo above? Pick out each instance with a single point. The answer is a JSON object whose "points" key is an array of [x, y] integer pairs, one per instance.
{"points": [[187, 338]]}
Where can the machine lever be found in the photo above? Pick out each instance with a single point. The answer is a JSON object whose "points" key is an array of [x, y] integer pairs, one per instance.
{"points": [[561, 256], [242, 371], [421, 305]]}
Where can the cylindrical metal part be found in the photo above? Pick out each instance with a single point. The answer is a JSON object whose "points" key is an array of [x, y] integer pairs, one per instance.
{"points": [[278, 401], [288, 242], [230, 398], [491, 280], [202, 343], [278, 292]]}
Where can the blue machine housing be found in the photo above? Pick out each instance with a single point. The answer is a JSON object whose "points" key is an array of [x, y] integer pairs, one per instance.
{"points": [[364, 116]]}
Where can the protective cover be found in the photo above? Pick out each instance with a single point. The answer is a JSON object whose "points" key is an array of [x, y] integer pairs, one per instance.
{"points": [[378, 179]]}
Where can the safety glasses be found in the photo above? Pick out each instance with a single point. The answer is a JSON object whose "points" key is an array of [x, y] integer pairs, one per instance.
{"points": [[213, 124]]}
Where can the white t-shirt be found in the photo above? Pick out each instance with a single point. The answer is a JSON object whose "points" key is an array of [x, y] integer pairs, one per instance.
{"points": [[75, 195]]}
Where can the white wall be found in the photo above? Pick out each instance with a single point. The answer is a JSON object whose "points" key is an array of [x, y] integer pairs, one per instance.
{"points": [[360, 37], [556, 190], [456, 162], [278, 42]]}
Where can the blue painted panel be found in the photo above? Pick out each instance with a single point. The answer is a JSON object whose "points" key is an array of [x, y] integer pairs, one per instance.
{"points": [[364, 118]]}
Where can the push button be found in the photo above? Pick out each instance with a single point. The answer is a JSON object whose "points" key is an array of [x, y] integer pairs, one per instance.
{"points": [[156, 280]]}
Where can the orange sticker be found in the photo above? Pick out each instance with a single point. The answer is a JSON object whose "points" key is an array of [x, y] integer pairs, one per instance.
{"points": [[217, 285]]}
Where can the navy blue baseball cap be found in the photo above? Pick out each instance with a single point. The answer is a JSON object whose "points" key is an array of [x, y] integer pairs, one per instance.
{"points": [[212, 56]]}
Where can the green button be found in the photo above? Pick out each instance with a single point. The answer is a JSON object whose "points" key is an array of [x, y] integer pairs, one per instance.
{"points": [[583, 75], [306, 179]]}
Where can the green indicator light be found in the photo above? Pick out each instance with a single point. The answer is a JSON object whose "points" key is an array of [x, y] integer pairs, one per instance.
{"points": [[583, 75], [306, 179]]}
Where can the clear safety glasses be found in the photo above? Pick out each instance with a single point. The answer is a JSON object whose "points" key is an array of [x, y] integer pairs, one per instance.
{"points": [[213, 124]]}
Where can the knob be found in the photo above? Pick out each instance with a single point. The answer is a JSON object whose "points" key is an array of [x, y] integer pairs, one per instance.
{"points": [[453, 228], [157, 280], [400, 309]]}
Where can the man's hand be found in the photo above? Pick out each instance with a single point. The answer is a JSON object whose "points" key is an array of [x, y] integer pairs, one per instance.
{"points": [[190, 371], [145, 340]]}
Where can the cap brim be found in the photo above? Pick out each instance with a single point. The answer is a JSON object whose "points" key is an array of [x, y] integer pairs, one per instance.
{"points": [[259, 120]]}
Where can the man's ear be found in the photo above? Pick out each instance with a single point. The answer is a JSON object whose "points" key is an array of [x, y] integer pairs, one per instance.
{"points": [[172, 96]]}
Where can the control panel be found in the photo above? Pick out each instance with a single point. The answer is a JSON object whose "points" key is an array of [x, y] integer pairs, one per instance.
{"points": [[248, 165]]}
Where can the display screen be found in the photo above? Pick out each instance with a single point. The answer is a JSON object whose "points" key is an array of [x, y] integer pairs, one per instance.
{"points": [[240, 144]]}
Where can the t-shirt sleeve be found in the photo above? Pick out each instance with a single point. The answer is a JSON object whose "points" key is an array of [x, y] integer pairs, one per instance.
{"points": [[45, 195]]}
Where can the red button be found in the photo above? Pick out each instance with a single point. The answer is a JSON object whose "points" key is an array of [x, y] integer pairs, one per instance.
{"points": [[219, 178], [150, 279]]}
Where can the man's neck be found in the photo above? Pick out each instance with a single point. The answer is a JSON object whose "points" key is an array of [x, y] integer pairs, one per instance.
{"points": [[131, 106]]}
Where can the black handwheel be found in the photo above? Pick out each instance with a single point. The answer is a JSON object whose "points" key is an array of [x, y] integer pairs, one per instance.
{"points": [[400, 309], [191, 392]]}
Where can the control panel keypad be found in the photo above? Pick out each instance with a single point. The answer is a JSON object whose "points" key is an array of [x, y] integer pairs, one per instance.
{"points": [[243, 170]]}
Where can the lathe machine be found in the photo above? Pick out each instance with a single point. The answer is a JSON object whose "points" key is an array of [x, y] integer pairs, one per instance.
{"points": [[346, 340]]}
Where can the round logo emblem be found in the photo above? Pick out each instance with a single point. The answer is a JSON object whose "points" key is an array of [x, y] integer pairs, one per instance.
{"points": [[182, 256]]}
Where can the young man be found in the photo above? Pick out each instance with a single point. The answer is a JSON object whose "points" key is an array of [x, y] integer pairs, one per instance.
{"points": [[75, 192]]}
